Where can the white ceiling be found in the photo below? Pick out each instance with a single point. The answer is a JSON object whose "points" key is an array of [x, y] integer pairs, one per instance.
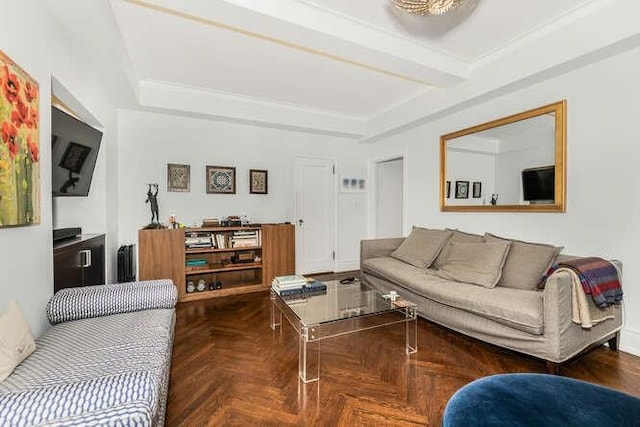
{"points": [[357, 68]]}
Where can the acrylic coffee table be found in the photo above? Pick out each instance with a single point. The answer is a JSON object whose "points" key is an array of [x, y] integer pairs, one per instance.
{"points": [[343, 309]]}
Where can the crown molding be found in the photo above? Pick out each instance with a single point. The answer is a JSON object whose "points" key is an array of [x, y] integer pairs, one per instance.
{"points": [[203, 103], [325, 34]]}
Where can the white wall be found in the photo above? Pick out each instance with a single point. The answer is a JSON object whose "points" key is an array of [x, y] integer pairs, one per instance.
{"points": [[389, 212], [44, 50], [148, 141], [603, 216]]}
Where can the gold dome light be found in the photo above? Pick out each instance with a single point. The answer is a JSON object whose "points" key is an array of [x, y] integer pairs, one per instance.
{"points": [[427, 7]]}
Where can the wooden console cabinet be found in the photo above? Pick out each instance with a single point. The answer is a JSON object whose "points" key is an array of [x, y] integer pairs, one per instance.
{"points": [[162, 255], [79, 262]]}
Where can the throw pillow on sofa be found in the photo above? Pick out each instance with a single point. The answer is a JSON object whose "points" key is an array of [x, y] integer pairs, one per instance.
{"points": [[475, 263], [526, 262], [421, 247], [16, 340], [456, 236]]}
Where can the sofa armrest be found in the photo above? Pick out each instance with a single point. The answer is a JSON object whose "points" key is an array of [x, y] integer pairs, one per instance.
{"points": [[379, 247], [103, 300], [122, 399], [558, 313]]}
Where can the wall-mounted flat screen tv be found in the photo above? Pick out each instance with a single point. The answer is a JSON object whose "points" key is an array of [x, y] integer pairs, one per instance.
{"points": [[538, 184], [74, 150]]}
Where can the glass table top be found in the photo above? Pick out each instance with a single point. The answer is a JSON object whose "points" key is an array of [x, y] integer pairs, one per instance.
{"points": [[341, 301]]}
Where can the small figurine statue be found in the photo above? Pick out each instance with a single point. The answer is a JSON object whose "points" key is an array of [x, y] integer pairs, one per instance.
{"points": [[152, 199], [494, 199]]}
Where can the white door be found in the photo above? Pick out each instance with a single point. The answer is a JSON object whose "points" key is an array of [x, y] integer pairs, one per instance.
{"points": [[389, 203], [315, 214]]}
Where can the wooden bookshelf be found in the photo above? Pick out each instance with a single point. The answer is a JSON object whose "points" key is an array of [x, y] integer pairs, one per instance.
{"points": [[162, 254]]}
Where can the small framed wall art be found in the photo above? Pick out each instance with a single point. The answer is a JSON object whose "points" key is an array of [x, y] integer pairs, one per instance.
{"points": [[477, 189], [448, 189], [462, 189], [258, 181], [221, 180], [178, 177], [353, 185]]}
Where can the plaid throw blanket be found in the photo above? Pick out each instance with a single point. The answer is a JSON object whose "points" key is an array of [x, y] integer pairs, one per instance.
{"points": [[599, 278]]}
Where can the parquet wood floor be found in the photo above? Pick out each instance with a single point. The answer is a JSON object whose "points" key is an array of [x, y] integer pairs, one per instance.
{"points": [[230, 368]]}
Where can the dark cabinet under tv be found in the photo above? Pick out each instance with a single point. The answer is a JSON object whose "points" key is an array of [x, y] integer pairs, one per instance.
{"points": [[79, 262]]}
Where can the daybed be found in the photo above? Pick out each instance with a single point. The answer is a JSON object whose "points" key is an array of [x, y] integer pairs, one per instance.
{"points": [[486, 287], [105, 360]]}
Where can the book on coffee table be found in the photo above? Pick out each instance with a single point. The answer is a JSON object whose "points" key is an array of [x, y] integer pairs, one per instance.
{"points": [[310, 288], [288, 282]]}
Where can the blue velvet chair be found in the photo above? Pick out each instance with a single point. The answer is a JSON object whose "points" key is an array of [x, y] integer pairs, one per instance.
{"points": [[539, 400]]}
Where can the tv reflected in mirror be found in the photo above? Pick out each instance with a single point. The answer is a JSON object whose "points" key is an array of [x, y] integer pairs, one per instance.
{"points": [[74, 151], [538, 184]]}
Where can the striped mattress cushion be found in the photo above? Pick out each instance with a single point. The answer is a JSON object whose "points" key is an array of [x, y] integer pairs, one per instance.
{"points": [[106, 354], [102, 300]]}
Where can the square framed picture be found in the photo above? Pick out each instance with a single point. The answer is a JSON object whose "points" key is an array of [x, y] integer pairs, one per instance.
{"points": [[258, 181], [477, 189], [462, 189], [178, 177], [221, 180]]}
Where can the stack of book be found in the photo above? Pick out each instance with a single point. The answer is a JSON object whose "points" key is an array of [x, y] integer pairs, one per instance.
{"points": [[296, 285], [245, 239], [197, 264], [198, 240]]}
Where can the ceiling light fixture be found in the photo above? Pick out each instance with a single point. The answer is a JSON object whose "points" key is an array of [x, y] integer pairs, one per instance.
{"points": [[427, 7]]}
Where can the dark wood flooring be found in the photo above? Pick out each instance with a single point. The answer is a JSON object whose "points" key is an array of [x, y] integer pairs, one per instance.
{"points": [[230, 368]]}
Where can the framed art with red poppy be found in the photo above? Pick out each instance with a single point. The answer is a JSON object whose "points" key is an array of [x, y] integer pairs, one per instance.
{"points": [[19, 146]]}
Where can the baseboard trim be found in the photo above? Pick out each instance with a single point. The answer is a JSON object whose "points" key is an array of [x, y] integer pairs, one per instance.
{"points": [[348, 265], [630, 341]]}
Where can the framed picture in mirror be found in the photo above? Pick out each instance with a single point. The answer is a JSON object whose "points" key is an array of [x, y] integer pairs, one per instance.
{"points": [[477, 189], [462, 189]]}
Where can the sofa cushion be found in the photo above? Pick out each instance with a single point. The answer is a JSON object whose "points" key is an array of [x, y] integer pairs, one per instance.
{"points": [[421, 247], [456, 236], [516, 308], [525, 263], [16, 340], [475, 263], [85, 349]]}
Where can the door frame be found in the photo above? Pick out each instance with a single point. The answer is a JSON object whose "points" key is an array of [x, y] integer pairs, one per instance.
{"points": [[373, 194], [296, 215]]}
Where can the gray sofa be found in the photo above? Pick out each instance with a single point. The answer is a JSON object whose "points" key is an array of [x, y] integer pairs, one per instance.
{"points": [[105, 360], [531, 321]]}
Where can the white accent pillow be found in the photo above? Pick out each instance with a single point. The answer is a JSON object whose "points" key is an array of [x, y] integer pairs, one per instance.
{"points": [[16, 340]]}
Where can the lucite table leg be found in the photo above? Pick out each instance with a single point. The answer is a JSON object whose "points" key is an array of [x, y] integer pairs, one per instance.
{"points": [[411, 330], [308, 357], [276, 314]]}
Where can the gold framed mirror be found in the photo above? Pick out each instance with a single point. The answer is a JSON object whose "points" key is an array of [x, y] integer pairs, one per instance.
{"points": [[513, 164]]}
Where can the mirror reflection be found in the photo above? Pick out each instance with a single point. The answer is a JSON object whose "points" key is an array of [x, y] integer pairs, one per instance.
{"points": [[511, 164]]}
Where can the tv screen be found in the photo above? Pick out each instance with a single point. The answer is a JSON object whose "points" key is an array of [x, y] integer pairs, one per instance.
{"points": [[539, 183], [74, 150]]}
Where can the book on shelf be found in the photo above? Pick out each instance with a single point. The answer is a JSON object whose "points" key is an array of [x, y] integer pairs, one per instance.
{"points": [[210, 222]]}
